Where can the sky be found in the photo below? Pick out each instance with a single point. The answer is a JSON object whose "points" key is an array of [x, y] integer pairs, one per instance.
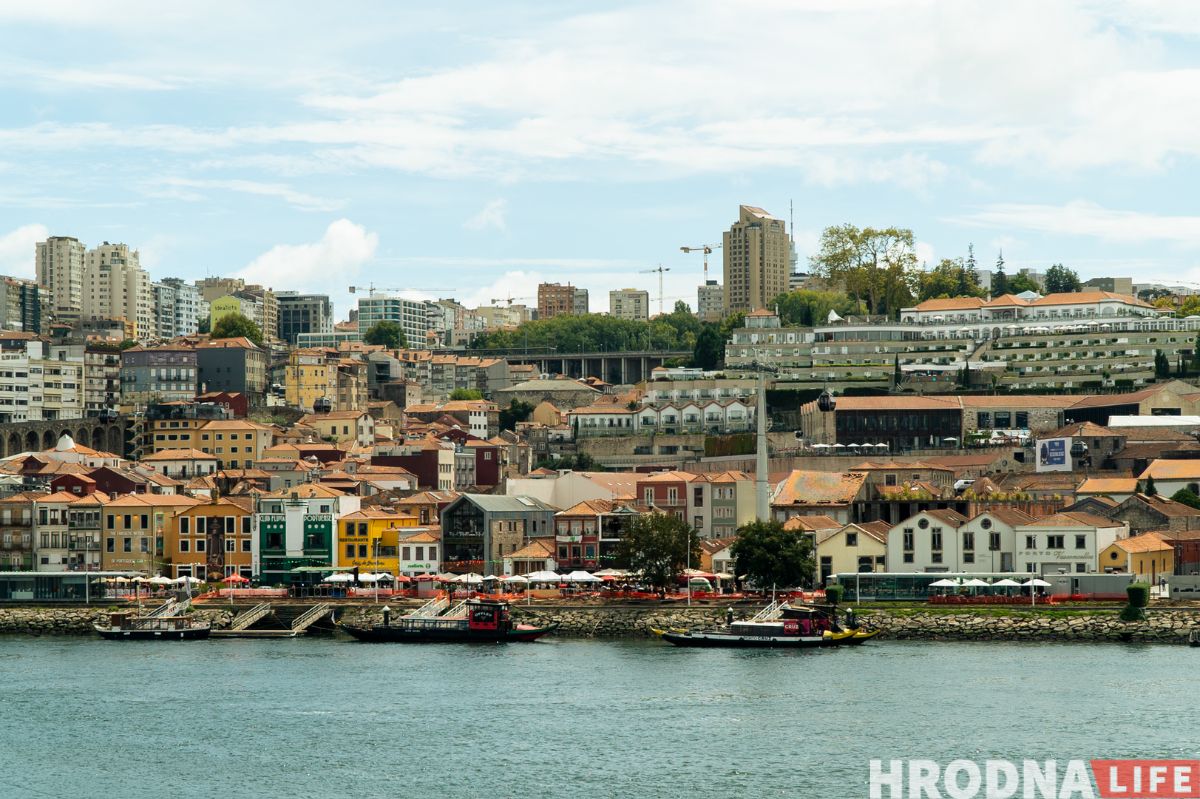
{"points": [[475, 149]]}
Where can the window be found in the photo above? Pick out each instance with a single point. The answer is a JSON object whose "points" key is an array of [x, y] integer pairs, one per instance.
{"points": [[935, 557], [362, 550], [1031, 542], [994, 542], [245, 544], [110, 545], [127, 544], [908, 557], [983, 420], [1003, 419], [968, 541], [968, 557], [230, 545], [908, 540], [185, 525], [1080, 568], [145, 520], [889, 479], [185, 545], [647, 496], [672, 495], [935, 540], [851, 539], [201, 545], [349, 550], [1081, 542], [1054, 542], [1022, 420]]}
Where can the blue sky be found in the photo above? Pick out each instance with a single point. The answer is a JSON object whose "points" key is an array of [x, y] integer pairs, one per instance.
{"points": [[479, 148]]}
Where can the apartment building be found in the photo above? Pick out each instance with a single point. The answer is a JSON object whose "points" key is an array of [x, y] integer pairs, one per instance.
{"points": [[411, 315], [116, 287], [20, 305], [161, 374], [629, 304], [556, 299], [179, 307], [39, 381], [59, 263], [303, 313], [757, 260], [710, 301]]}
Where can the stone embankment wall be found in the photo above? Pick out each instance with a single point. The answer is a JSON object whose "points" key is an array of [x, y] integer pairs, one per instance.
{"points": [[1160, 626], [594, 622], [74, 620]]}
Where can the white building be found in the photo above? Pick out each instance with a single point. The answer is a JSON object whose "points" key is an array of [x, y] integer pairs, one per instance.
{"points": [[629, 304], [1066, 542], [930, 542], [178, 308], [411, 315], [59, 263], [710, 301], [116, 287], [39, 381]]}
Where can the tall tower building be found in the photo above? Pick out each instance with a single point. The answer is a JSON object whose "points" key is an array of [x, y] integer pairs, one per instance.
{"points": [[757, 256], [116, 287], [303, 313], [60, 273]]}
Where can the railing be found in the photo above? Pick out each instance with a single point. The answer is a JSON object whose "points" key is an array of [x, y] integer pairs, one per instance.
{"points": [[459, 611], [250, 616], [310, 616], [163, 610], [771, 611], [432, 608]]}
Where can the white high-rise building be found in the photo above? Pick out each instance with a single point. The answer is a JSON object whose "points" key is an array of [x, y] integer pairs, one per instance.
{"points": [[629, 304], [60, 262], [39, 381], [411, 315], [116, 287], [178, 307]]}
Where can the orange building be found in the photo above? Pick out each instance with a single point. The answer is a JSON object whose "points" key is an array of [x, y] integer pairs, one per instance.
{"points": [[210, 541]]}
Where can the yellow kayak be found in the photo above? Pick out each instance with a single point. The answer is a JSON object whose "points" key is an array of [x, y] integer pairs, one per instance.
{"points": [[861, 635], [845, 635]]}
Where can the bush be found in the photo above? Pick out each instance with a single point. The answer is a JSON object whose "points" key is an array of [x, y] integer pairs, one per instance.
{"points": [[834, 593], [1139, 598]]}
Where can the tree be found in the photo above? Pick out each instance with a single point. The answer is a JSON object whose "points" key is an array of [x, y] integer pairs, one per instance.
{"points": [[806, 308], [874, 265], [517, 411], [710, 348], [388, 334], [1022, 282], [580, 462], [999, 279], [1185, 497], [234, 325], [964, 375], [1151, 489], [658, 546], [202, 326], [772, 556], [1189, 307], [897, 372], [1061, 280], [459, 394], [1162, 365], [950, 278]]}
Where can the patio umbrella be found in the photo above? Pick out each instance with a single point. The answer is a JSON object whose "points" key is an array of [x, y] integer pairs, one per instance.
{"points": [[234, 578], [386, 577], [471, 578], [944, 583], [724, 576], [368, 577], [975, 582], [1006, 583], [158, 579], [515, 578], [542, 577], [611, 573], [340, 577], [490, 578], [582, 577], [1036, 583]]}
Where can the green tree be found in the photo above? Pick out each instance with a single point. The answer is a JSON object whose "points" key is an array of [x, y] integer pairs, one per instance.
{"points": [[806, 308], [999, 279], [897, 372], [772, 556], [1019, 282], [677, 330], [517, 411], [874, 265], [388, 334], [710, 348], [468, 394], [658, 546], [971, 274], [950, 278], [580, 462], [1061, 280], [203, 325], [1162, 365], [964, 375], [731, 323], [1185, 497], [1151, 489], [234, 325]]}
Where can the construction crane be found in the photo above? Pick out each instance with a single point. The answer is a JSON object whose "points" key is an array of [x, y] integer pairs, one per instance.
{"points": [[509, 300], [372, 289], [660, 271], [707, 250]]}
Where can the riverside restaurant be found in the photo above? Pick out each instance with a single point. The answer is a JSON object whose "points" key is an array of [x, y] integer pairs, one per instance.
{"points": [[913, 586], [78, 586]]}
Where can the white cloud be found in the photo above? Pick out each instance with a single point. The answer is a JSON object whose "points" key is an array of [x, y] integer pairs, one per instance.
{"points": [[329, 265], [17, 250], [1088, 219], [490, 217], [180, 189]]}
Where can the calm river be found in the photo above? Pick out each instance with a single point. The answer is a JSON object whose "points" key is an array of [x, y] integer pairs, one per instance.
{"points": [[559, 718]]}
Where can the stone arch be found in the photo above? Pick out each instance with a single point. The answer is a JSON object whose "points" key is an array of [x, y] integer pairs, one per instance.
{"points": [[49, 439], [81, 436], [14, 444], [32, 441], [97, 438], [115, 444]]}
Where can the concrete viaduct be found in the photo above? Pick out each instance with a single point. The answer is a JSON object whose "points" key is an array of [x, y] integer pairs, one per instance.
{"points": [[611, 367], [108, 436]]}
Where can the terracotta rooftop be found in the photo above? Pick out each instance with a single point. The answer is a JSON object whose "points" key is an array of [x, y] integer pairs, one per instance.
{"points": [[807, 488], [1108, 485], [1146, 542]]}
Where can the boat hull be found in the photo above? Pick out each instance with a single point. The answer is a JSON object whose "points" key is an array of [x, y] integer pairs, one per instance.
{"points": [[396, 634], [861, 636], [188, 634], [727, 640]]}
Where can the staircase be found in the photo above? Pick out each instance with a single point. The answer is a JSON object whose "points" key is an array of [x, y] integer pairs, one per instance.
{"points": [[248, 617], [311, 616], [771, 611], [459, 611], [169, 608], [433, 607]]}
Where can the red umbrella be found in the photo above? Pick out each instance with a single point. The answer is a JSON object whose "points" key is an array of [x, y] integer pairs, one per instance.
{"points": [[236, 578]]}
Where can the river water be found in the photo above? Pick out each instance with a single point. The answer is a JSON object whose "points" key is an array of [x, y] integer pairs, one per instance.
{"points": [[559, 718]]}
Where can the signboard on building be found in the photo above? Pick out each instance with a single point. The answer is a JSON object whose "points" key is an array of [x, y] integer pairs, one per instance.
{"points": [[1054, 455]]}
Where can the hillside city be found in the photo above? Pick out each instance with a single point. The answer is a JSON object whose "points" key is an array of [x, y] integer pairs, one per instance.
{"points": [[894, 417]]}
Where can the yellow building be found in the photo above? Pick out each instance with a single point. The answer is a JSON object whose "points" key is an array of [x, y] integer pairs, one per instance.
{"points": [[1145, 556], [853, 548], [236, 443], [369, 539], [309, 376], [224, 306]]}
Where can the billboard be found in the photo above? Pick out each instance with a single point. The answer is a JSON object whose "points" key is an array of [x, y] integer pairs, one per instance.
{"points": [[1054, 455]]}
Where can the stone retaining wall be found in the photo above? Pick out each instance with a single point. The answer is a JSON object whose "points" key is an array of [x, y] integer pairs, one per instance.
{"points": [[74, 620], [1160, 626]]}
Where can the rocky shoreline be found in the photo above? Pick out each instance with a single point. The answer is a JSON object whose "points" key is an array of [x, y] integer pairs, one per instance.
{"points": [[1165, 626]]}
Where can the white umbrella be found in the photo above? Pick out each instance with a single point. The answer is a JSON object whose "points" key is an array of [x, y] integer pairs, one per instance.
{"points": [[1036, 583], [723, 576], [543, 577], [490, 578], [471, 578], [944, 583], [821, 446], [158, 579], [611, 573], [839, 446], [581, 577], [340, 577], [368, 577], [515, 578], [1007, 583], [977, 583], [385, 577]]}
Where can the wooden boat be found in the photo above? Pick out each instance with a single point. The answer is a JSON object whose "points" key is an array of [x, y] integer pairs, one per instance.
{"points": [[778, 626], [127, 627], [482, 621]]}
